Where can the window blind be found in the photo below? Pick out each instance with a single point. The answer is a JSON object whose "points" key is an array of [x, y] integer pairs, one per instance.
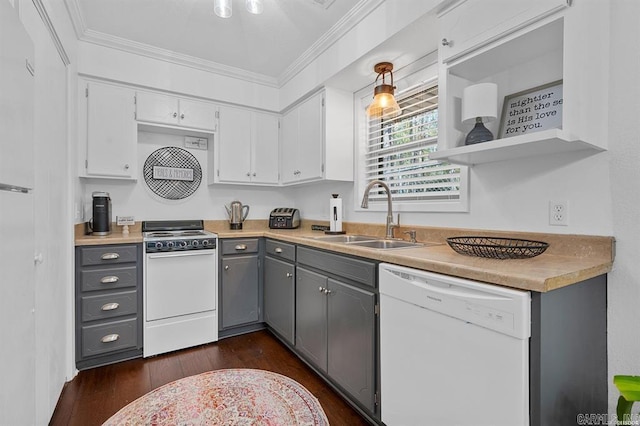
{"points": [[398, 149]]}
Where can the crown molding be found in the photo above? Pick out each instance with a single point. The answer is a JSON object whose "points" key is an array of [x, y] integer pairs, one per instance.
{"points": [[166, 55], [344, 25], [46, 20]]}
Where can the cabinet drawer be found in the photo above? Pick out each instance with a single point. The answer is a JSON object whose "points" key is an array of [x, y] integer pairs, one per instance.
{"points": [[108, 278], [106, 255], [109, 305], [281, 250], [355, 269], [240, 246], [108, 337]]}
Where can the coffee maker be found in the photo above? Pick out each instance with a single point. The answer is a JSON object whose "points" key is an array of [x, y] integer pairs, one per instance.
{"points": [[100, 224]]}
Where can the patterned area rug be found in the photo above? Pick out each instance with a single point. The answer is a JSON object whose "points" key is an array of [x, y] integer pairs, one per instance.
{"points": [[225, 397]]}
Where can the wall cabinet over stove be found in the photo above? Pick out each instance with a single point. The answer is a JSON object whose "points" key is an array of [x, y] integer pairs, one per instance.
{"points": [[108, 298]]}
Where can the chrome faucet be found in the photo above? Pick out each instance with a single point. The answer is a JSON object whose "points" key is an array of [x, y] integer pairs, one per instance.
{"points": [[365, 205]]}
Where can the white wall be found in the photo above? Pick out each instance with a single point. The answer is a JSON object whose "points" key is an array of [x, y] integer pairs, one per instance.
{"points": [[624, 142]]}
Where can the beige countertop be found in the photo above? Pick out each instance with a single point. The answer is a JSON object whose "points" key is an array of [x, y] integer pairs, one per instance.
{"points": [[568, 260]]}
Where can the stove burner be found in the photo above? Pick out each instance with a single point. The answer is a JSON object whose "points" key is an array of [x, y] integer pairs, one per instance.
{"points": [[160, 234], [190, 233]]}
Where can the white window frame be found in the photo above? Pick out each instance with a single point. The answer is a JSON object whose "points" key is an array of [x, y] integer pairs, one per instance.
{"points": [[424, 76]]}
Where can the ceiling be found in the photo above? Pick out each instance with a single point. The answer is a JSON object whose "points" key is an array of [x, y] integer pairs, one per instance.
{"points": [[271, 47]]}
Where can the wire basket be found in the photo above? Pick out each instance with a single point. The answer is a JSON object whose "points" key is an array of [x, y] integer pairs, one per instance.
{"points": [[497, 248]]}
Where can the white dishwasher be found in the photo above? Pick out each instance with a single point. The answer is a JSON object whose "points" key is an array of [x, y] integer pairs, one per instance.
{"points": [[452, 351]]}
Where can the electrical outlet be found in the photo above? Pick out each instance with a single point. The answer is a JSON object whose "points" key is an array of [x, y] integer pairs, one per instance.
{"points": [[559, 213]]}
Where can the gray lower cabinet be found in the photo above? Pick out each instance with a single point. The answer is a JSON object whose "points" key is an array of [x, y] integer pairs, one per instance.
{"points": [[336, 323], [240, 284], [279, 288], [108, 304]]}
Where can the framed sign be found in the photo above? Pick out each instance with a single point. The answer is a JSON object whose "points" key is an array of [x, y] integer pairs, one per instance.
{"points": [[532, 110]]}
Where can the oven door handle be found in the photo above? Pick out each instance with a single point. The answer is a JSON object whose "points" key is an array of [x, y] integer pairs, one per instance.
{"points": [[181, 254]]}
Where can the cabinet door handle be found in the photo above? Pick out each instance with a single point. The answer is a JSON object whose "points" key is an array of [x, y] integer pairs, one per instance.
{"points": [[278, 250], [327, 291], [241, 247], [181, 116], [321, 289], [110, 256], [110, 306], [110, 338], [175, 114], [248, 174], [254, 174], [289, 275], [446, 42], [226, 267], [126, 167], [109, 280]]}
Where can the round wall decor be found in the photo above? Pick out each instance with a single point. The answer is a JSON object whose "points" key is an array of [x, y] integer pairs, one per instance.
{"points": [[172, 173]]}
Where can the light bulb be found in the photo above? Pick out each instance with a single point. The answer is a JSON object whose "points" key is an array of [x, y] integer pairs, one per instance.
{"points": [[255, 6], [223, 8]]}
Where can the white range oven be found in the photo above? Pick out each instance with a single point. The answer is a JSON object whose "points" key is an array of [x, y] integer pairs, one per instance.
{"points": [[180, 286]]}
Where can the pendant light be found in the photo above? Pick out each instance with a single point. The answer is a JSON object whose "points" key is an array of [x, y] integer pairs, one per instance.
{"points": [[384, 104], [224, 8]]}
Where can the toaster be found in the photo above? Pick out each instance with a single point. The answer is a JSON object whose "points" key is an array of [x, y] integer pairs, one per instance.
{"points": [[284, 218]]}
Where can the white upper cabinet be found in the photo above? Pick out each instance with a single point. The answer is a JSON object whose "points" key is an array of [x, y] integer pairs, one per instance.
{"points": [[108, 131], [173, 111], [246, 150], [472, 23], [317, 139], [521, 45]]}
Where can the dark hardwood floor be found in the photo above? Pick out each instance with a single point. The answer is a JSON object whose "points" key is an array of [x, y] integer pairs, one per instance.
{"points": [[96, 394]]}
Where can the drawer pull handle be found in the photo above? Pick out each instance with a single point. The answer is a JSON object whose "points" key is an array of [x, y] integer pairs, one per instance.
{"points": [[278, 250], [110, 306], [110, 256], [109, 280], [110, 338], [241, 247], [289, 275]]}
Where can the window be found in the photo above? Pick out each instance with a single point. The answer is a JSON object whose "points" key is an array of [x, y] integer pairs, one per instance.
{"points": [[397, 150]]}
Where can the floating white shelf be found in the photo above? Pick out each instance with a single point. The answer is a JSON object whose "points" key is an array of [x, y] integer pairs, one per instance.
{"points": [[546, 142]]}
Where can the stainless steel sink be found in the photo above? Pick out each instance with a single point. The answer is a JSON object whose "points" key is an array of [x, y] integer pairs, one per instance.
{"points": [[386, 244], [346, 238]]}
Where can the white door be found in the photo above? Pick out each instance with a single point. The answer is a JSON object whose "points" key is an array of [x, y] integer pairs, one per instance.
{"points": [[311, 139], [111, 131], [17, 96], [264, 149], [234, 145], [289, 147], [17, 303]]}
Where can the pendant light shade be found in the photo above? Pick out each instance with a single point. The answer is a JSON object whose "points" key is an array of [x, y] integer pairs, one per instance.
{"points": [[384, 104], [223, 8], [255, 6]]}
